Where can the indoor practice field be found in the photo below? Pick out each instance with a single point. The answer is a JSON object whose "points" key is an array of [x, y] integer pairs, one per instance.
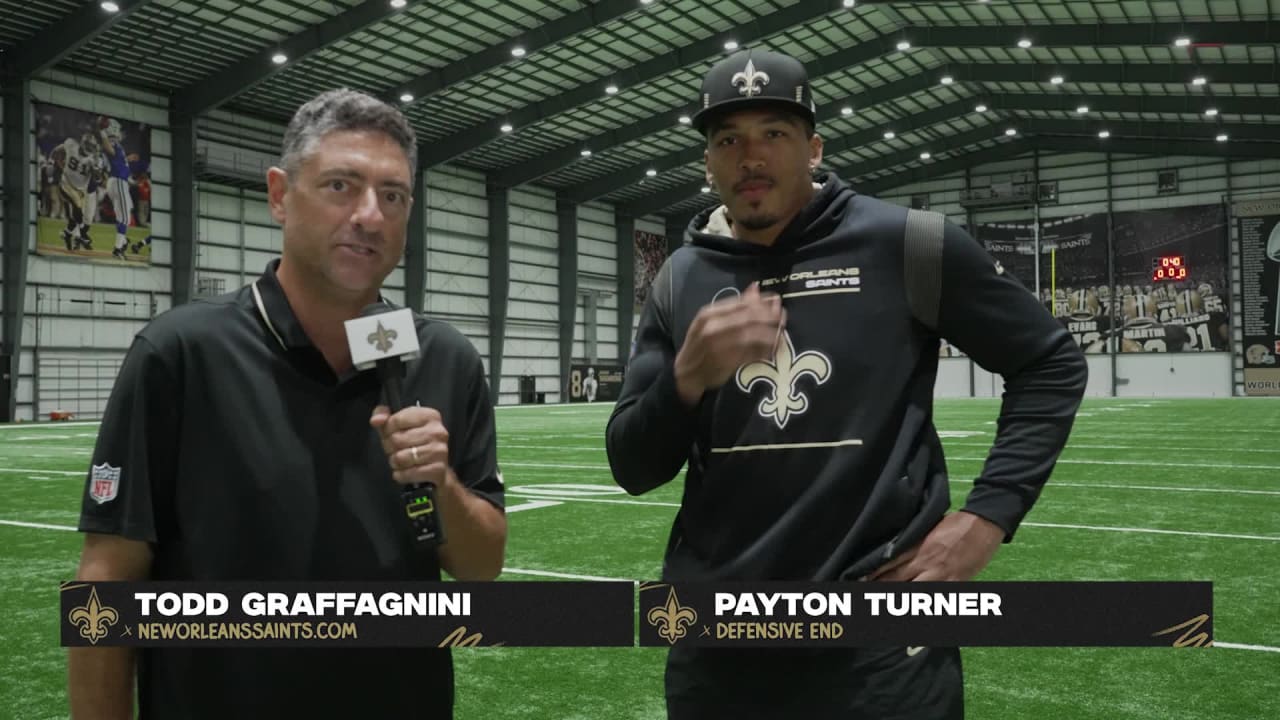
{"points": [[1146, 490]]}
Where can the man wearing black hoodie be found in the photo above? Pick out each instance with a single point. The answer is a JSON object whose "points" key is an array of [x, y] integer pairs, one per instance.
{"points": [[779, 355]]}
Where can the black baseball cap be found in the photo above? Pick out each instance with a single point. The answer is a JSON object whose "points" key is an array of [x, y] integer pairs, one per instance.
{"points": [[751, 78]]}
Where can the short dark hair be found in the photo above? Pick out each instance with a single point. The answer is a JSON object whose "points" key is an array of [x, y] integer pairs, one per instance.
{"points": [[716, 121], [345, 109]]}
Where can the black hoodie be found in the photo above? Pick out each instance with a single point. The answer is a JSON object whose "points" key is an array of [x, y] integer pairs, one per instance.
{"points": [[825, 462]]}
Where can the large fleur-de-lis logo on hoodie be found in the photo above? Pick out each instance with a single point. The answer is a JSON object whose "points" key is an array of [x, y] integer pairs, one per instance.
{"points": [[784, 399]]}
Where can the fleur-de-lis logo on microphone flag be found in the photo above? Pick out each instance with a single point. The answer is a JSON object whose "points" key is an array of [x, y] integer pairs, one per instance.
{"points": [[382, 338]]}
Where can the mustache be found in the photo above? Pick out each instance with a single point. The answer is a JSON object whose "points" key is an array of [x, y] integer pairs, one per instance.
{"points": [[360, 237], [752, 179]]}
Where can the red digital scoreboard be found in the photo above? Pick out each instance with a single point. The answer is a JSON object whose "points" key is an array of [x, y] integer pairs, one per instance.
{"points": [[1168, 267]]}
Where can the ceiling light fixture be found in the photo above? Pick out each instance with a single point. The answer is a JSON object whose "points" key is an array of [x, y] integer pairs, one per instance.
{"points": [[1024, 43], [1182, 41], [1211, 112], [925, 155], [585, 152], [1199, 80], [1011, 132], [980, 108], [506, 127], [279, 58], [685, 119], [406, 97], [1082, 110], [110, 7], [731, 45], [846, 111], [517, 51], [1104, 134], [1056, 79], [904, 45], [611, 89], [1222, 137], [889, 135], [947, 79], [651, 172]]}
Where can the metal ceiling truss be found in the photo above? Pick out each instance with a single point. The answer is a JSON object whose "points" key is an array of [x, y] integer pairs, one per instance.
{"points": [[599, 187], [694, 53], [618, 179], [1155, 138], [962, 72], [59, 40], [210, 92], [533, 40]]}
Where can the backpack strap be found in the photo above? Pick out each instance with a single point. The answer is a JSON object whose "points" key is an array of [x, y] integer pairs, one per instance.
{"points": [[922, 265]]}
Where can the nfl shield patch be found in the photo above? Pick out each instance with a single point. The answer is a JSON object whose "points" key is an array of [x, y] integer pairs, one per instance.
{"points": [[104, 483]]}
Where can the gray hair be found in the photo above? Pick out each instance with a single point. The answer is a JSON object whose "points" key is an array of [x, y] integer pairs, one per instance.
{"points": [[344, 109]]}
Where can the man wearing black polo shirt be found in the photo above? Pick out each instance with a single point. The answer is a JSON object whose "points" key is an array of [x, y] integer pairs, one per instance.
{"points": [[785, 357], [240, 444]]}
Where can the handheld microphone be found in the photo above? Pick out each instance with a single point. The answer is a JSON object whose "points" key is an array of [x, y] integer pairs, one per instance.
{"points": [[384, 339]]}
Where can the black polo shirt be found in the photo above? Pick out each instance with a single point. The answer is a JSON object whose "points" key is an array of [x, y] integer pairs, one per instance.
{"points": [[242, 456]]}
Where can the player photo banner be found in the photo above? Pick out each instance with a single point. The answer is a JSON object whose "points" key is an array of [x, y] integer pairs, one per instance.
{"points": [[94, 186], [1171, 279], [920, 615], [1258, 224], [1073, 277], [650, 253], [455, 614], [595, 383]]}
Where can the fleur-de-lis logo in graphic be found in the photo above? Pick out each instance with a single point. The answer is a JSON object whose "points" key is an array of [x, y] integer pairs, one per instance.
{"points": [[781, 375], [382, 337], [92, 618], [1189, 638], [749, 82], [672, 619]]}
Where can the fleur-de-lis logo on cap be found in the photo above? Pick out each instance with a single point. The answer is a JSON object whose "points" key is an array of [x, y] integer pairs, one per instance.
{"points": [[382, 337], [671, 619], [92, 618], [749, 82]]}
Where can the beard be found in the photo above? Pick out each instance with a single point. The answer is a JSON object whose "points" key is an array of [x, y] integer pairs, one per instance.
{"points": [[758, 221]]}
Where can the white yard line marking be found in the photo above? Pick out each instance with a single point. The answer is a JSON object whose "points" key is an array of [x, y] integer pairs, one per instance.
{"points": [[1145, 463], [607, 501], [1072, 445], [1104, 528], [554, 466], [37, 526], [43, 471], [1238, 646], [566, 576], [1163, 488], [531, 505], [1025, 524]]}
